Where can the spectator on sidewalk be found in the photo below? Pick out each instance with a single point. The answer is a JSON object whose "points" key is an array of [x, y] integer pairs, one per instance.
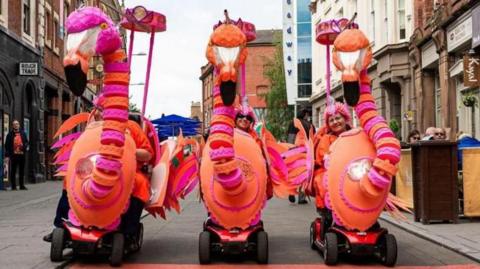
{"points": [[440, 134], [429, 134], [16, 146], [414, 136]]}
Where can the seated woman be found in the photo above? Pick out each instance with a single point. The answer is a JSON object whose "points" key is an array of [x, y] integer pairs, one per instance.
{"points": [[245, 120], [337, 120]]}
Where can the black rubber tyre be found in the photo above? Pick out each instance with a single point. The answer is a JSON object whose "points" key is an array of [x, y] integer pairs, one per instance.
{"points": [[313, 235], [262, 247], [330, 253], [116, 256], [204, 248], [389, 250], [57, 245]]}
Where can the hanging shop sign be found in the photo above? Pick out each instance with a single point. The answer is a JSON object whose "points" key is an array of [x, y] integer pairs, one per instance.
{"points": [[471, 70]]}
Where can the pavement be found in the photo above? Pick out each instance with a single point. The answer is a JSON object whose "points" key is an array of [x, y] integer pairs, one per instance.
{"points": [[462, 237], [26, 216]]}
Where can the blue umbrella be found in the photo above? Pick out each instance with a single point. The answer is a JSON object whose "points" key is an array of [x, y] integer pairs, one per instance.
{"points": [[170, 126]]}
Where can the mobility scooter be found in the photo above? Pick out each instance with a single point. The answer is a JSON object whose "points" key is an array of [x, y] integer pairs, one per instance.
{"points": [[91, 241], [216, 239], [332, 240]]}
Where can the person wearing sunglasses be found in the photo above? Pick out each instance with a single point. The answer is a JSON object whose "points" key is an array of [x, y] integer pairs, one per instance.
{"points": [[439, 134], [244, 121]]}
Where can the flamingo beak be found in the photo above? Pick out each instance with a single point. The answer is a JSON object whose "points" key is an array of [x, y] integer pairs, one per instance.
{"points": [[352, 64], [227, 59]]}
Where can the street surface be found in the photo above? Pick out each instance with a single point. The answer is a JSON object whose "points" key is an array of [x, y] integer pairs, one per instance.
{"points": [[26, 216]]}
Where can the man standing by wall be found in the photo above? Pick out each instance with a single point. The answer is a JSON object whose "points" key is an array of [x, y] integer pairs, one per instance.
{"points": [[16, 146]]}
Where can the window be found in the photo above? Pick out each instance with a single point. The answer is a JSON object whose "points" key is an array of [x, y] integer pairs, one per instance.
{"points": [[340, 13], [66, 10], [26, 17], [385, 14], [438, 101], [372, 20], [4, 13], [55, 29], [304, 90], [401, 19], [48, 25]]}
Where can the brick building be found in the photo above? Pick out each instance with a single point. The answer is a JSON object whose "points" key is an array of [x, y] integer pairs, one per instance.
{"points": [[257, 85], [443, 35]]}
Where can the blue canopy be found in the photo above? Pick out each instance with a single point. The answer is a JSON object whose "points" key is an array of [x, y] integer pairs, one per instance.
{"points": [[170, 126]]}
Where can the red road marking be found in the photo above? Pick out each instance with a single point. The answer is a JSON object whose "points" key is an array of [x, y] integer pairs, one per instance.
{"points": [[254, 266]]}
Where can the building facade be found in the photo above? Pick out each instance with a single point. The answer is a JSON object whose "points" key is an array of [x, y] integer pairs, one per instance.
{"points": [[388, 24], [196, 110], [257, 85], [21, 88], [297, 49], [445, 32]]}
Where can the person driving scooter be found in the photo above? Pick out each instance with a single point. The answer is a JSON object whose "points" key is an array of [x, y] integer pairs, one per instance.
{"points": [[141, 190], [337, 120], [244, 120]]}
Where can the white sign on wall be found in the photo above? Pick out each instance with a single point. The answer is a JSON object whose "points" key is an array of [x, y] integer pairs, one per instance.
{"points": [[290, 50], [429, 54], [459, 33], [28, 69]]}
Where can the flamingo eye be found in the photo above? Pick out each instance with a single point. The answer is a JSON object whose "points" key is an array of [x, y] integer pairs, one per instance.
{"points": [[103, 26]]}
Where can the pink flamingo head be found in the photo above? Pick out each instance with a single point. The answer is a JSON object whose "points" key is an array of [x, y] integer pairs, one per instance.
{"points": [[89, 32]]}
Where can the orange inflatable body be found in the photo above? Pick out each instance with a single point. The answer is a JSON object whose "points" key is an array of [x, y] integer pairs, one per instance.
{"points": [[355, 202], [241, 209], [102, 204]]}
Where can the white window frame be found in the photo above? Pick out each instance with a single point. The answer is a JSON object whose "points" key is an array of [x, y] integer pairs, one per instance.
{"points": [[372, 23], [402, 13], [4, 13], [385, 14], [29, 38], [56, 19], [48, 24]]}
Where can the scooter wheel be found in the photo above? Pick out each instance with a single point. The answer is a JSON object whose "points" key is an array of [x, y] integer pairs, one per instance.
{"points": [[116, 255], [330, 253], [262, 247], [204, 248], [388, 249], [313, 236], [58, 243]]}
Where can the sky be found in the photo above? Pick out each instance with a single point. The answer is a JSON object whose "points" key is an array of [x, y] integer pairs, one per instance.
{"points": [[179, 52]]}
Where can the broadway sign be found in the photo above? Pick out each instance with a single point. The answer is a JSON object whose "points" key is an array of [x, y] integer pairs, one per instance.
{"points": [[471, 71]]}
